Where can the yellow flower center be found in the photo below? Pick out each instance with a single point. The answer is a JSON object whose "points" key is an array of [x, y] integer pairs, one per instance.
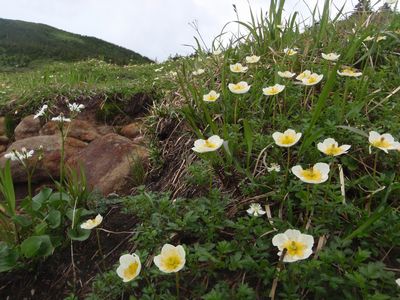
{"points": [[311, 174], [237, 68], [333, 150], [209, 144], [274, 90], [287, 139], [312, 79], [349, 71], [172, 261], [294, 248], [130, 271], [238, 87], [381, 143], [212, 97]]}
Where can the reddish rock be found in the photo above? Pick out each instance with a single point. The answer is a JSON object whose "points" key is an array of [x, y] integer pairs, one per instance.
{"points": [[131, 130], [78, 129], [107, 162], [4, 140], [27, 127], [3, 126], [105, 129], [50, 164]]}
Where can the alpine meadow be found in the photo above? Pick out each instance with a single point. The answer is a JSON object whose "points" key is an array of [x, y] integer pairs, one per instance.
{"points": [[265, 165]]}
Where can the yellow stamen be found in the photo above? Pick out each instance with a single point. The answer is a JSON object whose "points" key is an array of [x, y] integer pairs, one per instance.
{"points": [[172, 262], [130, 271], [294, 248], [210, 144], [333, 150], [287, 139], [311, 174], [381, 143]]}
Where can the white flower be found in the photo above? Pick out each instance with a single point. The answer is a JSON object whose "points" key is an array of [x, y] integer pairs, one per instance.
{"points": [[303, 75], [384, 142], [41, 111], [313, 79], [159, 69], [349, 72], [290, 51], [330, 56], [252, 59], [255, 210], [198, 72], [21, 155], [287, 138], [173, 73], [274, 167], [129, 267], [381, 38], [212, 96], [391, 1], [238, 68], [273, 90], [316, 174], [217, 52], [398, 281], [368, 38], [298, 246], [75, 107], [213, 143], [330, 147], [172, 259], [92, 223], [239, 88], [11, 155], [61, 119], [286, 74]]}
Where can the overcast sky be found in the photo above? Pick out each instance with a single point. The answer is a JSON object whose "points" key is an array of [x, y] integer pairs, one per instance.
{"points": [[154, 28]]}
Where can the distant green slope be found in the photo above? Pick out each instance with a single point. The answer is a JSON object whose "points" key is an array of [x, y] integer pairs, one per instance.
{"points": [[22, 43]]}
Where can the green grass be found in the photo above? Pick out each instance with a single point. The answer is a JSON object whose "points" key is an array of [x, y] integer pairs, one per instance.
{"points": [[229, 254]]}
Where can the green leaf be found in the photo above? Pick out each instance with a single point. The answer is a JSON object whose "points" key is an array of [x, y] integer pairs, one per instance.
{"points": [[54, 218], [37, 246], [23, 221], [39, 199], [8, 257], [78, 234], [355, 130]]}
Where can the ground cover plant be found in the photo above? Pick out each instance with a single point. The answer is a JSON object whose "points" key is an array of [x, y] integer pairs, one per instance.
{"points": [[274, 167]]}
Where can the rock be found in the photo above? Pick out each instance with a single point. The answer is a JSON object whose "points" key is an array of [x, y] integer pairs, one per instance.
{"points": [[131, 130], [50, 164], [105, 129], [4, 140], [27, 127], [3, 126], [3, 148], [107, 162], [78, 129]]}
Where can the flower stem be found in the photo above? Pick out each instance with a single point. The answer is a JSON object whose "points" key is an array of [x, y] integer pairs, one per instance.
{"points": [[177, 285], [62, 160], [100, 249], [375, 162], [29, 175]]}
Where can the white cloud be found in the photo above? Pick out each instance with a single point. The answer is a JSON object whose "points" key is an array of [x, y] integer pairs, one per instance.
{"points": [[155, 28]]}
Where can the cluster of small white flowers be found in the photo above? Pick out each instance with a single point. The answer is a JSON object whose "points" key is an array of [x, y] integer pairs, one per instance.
{"points": [[274, 167], [61, 119], [40, 112], [75, 107], [21, 156]]}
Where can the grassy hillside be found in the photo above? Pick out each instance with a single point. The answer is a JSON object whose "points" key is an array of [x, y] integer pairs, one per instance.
{"points": [[343, 202], [21, 43]]}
